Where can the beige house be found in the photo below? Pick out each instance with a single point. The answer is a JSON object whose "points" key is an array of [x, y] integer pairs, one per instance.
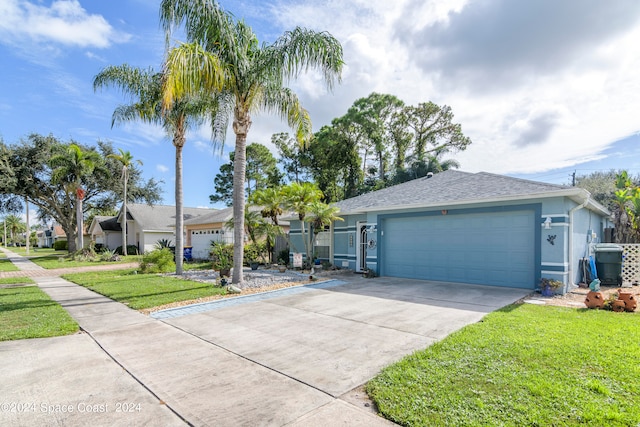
{"points": [[213, 227]]}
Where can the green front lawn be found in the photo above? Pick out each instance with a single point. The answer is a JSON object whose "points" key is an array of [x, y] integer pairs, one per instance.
{"points": [[59, 260], [143, 290], [522, 365], [6, 265], [28, 312], [21, 250], [16, 281]]}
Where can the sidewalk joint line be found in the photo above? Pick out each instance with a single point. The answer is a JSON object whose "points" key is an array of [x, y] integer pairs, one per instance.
{"points": [[135, 378], [250, 360]]}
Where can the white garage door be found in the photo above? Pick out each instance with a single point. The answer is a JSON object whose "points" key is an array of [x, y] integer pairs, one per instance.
{"points": [[201, 242], [485, 248]]}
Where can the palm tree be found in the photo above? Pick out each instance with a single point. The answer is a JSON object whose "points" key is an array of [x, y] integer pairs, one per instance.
{"points": [[15, 225], [146, 90], [322, 215], [69, 170], [254, 79], [270, 200], [126, 159], [300, 198]]}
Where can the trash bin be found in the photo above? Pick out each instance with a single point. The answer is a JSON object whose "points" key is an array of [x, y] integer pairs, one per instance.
{"points": [[187, 253], [609, 263]]}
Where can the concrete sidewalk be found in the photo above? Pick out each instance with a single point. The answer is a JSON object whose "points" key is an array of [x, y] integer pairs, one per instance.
{"points": [[163, 375]]}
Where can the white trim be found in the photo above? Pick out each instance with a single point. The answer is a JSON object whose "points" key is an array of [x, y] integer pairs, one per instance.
{"points": [[555, 264], [562, 273]]}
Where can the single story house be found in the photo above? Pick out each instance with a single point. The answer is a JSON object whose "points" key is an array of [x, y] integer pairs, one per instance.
{"points": [[213, 227], [146, 225], [50, 235], [460, 227], [105, 231]]}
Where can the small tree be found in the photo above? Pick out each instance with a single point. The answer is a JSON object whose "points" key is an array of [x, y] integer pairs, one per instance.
{"points": [[300, 198], [69, 170], [126, 159]]}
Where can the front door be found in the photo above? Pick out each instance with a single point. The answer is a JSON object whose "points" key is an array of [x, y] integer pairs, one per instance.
{"points": [[365, 233]]}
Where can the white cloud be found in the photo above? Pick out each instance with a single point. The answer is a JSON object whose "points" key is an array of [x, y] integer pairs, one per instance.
{"points": [[536, 86], [162, 168], [64, 22]]}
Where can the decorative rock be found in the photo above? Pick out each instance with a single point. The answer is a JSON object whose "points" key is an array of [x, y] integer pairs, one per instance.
{"points": [[233, 290], [594, 300]]}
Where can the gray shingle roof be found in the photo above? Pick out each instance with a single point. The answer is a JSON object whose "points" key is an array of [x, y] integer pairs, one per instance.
{"points": [[109, 223], [161, 217], [451, 187], [222, 215]]}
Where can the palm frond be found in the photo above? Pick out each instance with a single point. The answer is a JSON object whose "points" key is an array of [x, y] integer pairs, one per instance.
{"points": [[302, 49]]}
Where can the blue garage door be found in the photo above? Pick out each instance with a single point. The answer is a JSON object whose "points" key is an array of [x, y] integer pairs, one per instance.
{"points": [[485, 248]]}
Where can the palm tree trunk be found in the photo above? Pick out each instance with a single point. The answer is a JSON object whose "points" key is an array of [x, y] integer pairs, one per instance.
{"points": [[241, 125], [79, 222], [238, 207], [179, 210], [124, 216]]}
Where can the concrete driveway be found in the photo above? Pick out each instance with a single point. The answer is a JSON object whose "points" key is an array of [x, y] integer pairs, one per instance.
{"points": [[337, 338], [286, 358]]}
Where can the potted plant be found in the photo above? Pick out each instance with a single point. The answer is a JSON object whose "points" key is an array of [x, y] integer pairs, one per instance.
{"points": [[548, 287], [222, 257], [253, 254]]}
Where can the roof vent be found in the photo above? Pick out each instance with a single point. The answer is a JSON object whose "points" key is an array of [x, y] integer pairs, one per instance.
{"points": [[429, 174]]}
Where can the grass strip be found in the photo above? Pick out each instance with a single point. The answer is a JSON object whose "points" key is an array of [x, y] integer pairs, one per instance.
{"points": [[16, 281], [60, 260], [140, 291], [6, 265], [28, 312], [522, 365]]}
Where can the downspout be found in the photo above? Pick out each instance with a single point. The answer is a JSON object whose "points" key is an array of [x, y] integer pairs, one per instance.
{"points": [[574, 209], [331, 258]]}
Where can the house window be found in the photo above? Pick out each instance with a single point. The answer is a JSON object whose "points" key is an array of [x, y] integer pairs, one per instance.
{"points": [[321, 244]]}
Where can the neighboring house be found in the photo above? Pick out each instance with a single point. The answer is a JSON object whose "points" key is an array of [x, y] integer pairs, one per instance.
{"points": [[52, 234], [477, 228], [212, 227], [203, 230], [106, 231], [147, 224]]}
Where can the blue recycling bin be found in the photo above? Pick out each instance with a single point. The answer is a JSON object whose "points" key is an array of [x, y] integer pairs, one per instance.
{"points": [[187, 253]]}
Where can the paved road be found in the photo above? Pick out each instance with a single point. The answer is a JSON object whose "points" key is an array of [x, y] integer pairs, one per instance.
{"points": [[285, 359]]}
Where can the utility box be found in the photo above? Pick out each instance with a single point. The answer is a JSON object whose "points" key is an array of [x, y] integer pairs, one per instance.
{"points": [[609, 263]]}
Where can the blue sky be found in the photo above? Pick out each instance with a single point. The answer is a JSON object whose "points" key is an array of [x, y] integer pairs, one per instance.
{"points": [[542, 88]]}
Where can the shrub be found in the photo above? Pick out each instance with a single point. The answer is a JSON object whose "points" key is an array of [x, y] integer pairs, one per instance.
{"points": [[60, 245], [283, 256], [222, 256], [107, 255], [131, 250], [254, 252], [158, 261], [163, 243], [84, 254]]}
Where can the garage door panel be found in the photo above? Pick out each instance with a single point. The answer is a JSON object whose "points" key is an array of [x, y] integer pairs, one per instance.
{"points": [[487, 248]]}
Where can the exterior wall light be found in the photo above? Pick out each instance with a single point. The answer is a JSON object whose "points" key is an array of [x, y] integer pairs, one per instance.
{"points": [[547, 223]]}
